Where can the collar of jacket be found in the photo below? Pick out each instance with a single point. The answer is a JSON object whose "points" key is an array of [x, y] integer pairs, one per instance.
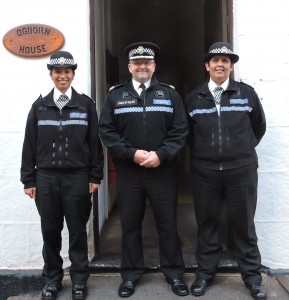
{"points": [[74, 101], [204, 89]]}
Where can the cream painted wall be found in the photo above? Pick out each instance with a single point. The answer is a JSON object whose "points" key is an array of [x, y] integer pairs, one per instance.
{"points": [[261, 37], [22, 80]]}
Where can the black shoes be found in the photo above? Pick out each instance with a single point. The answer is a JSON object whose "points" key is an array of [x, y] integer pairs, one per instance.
{"points": [[126, 289], [199, 287], [50, 291], [257, 291], [179, 287], [79, 291]]}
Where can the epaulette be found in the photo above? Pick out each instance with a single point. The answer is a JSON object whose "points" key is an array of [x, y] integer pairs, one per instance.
{"points": [[168, 85], [115, 86], [38, 100], [88, 97], [246, 84]]}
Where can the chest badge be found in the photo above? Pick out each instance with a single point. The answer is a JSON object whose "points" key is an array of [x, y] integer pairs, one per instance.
{"points": [[160, 94]]}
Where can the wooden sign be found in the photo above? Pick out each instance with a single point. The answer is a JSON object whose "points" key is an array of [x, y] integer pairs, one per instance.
{"points": [[33, 40]]}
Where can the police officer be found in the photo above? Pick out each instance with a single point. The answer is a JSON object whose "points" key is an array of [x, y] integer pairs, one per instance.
{"points": [[143, 123], [62, 164], [226, 122]]}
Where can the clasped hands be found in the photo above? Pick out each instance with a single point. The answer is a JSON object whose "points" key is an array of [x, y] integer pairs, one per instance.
{"points": [[146, 159]]}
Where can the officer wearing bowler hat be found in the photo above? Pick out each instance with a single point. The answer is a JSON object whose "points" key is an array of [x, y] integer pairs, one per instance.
{"points": [[227, 122], [62, 164], [143, 123]]}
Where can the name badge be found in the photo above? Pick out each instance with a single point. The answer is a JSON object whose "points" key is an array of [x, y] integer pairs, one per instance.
{"points": [[77, 115], [239, 101], [162, 101], [129, 102]]}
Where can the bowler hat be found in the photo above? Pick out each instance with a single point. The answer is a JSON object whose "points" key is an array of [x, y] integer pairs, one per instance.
{"points": [[142, 50], [61, 59], [221, 48]]}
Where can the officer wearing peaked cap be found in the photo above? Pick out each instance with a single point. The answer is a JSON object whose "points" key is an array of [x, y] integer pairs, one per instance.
{"points": [[143, 123], [143, 50], [62, 164], [226, 122]]}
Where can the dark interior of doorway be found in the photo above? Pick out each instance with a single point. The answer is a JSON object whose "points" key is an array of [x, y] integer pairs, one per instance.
{"points": [[183, 30]]}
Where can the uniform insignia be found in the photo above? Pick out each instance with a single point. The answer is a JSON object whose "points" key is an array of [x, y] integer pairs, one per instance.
{"points": [[126, 95], [115, 86], [168, 85], [77, 115], [130, 102], [140, 50], [160, 93], [239, 101], [61, 60], [162, 101]]}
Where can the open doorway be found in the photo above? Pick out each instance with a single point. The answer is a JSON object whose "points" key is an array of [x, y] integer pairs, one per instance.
{"points": [[183, 30]]}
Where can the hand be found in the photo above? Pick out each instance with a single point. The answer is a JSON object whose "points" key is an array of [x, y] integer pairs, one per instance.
{"points": [[140, 156], [31, 192], [152, 161], [93, 187]]}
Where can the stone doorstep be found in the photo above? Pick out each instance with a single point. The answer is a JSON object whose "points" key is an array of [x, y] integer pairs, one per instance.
{"points": [[23, 298]]}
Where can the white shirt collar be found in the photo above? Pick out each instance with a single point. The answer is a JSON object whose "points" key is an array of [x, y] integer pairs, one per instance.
{"points": [[57, 93], [136, 85], [212, 85]]}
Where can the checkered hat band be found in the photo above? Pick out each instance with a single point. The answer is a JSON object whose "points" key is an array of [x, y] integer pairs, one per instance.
{"points": [[143, 52], [142, 57], [61, 61], [224, 50]]}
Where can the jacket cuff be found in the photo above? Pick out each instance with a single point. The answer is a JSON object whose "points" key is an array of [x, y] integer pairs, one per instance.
{"points": [[29, 185], [94, 180], [130, 153], [160, 156]]}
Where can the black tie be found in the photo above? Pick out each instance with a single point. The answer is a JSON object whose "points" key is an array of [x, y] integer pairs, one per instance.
{"points": [[143, 87], [217, 94]]}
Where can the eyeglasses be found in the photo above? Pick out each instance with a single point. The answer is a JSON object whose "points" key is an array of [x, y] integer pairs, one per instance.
{"points": [[142, 62]]}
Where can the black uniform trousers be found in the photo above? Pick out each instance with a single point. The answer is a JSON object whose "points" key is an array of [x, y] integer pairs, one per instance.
{"points": [[238, 187], [134, 186], [59, 194]]}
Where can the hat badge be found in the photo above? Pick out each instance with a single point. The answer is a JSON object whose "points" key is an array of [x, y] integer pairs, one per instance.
{"points": [[62, 60], [140, 50], [224, 49]]}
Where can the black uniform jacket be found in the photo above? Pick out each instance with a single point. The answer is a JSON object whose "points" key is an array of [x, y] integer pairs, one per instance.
{"points": [[62, 139], [156, 123], [227, 140]]}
